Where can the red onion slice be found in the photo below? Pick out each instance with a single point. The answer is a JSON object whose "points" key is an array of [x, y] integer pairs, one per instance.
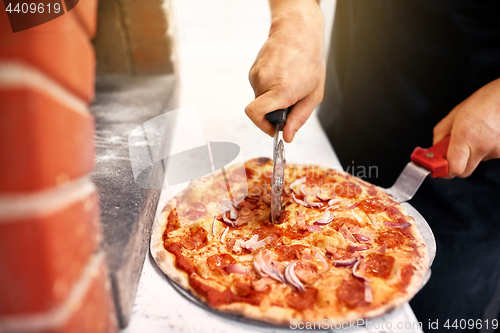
{"points": [[238, 269], [300, 202], [313, 204], [324, 196], [356, 215], [298, 181], [355, 268], [233, 213], [213, 225], [396, 225], [254, 244], [313, 228], [351, 206], [325, 219], [307, 190], [291, 278], [368, 292], [383, 248], [265, 267], [345, 263], [323, 261], [358, 248], [333, 202], [227, 221], [223, 237], [361, 238]]}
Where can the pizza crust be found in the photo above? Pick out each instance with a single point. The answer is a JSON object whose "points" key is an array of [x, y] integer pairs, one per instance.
{"points": [[275, 314]]}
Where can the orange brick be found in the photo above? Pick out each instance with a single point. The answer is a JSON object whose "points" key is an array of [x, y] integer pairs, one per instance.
{"points": [[46, 239], [89, 307], [86, 13], [96, 311], [43, 142], [61, 48]]}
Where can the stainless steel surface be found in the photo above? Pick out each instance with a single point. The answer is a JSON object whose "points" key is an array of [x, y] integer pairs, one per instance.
{"points": [[408, 182], [278, 180]]}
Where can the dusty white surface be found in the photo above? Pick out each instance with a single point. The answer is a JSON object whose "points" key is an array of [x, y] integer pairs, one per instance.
{"points": [[217, 42]]}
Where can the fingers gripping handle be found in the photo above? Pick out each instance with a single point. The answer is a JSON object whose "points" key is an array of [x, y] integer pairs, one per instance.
{"points": [[278, 116], [433, 158]]}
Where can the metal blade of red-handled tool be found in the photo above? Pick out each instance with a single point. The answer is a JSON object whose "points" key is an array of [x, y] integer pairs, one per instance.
{"points": [[424, 162], [278, 119]]}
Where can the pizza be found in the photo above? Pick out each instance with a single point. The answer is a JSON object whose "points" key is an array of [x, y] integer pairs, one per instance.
{"points": [[343, 249]]}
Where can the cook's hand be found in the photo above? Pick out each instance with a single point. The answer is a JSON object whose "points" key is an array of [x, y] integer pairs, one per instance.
{"points": [[474, 126], [290, 67]]}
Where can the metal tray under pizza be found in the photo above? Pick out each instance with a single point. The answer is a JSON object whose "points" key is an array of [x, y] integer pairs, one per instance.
{"points": [[420, 222]]}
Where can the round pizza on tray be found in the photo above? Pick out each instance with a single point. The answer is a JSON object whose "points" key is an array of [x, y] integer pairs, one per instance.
{"points": [[343, 249]]}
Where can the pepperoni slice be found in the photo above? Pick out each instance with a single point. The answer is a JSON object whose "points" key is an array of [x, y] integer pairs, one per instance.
{"points": [[351, 292], [348, 221], [372, 190], [314, 179], [195, 211], [273, 232], [302, 300], [289, 252], [293, 232], [406, 275], [380, 265], [393, 212], [371, 206], [172, 223], [181, 262], [392, 238], [348, 190], [196, 240], [251, 173], [218, 262]]}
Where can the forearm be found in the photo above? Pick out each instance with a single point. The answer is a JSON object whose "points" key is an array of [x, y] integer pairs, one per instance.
{"points": [[290, 67], [296, 19]]}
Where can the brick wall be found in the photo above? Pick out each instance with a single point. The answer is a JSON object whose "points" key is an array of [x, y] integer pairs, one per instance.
{"points": [[53, 276]]}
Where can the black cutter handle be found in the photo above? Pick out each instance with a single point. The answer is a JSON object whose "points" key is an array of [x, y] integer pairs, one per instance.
{"points": [[277, 116]]}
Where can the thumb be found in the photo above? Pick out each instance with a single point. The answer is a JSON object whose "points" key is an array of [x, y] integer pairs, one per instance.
{"points": [[262, 105]]}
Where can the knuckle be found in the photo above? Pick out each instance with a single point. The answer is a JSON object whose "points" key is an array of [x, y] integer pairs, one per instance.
{"points": [[264, 73], [250, 111], [456, 169], [301, 120]]}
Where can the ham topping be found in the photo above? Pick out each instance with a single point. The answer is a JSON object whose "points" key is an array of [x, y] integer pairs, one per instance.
{"points": [[347, 233], [265, 266]]}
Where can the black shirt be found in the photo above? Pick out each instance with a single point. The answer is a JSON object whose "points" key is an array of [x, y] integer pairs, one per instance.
{"points": [[395, 69]]}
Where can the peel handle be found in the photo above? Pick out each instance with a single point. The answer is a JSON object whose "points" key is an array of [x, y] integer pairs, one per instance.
{"points": [[433, 158], [278, 116]]}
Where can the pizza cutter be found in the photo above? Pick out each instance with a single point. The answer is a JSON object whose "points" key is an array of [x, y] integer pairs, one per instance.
{"points": [[278, 119]]}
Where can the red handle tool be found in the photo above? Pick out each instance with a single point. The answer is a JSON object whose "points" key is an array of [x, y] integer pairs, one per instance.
{"points": [[433, 158]]}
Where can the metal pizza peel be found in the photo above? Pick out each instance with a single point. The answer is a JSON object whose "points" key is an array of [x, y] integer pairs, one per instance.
{"points": [[424, 162], [278, 119]]}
